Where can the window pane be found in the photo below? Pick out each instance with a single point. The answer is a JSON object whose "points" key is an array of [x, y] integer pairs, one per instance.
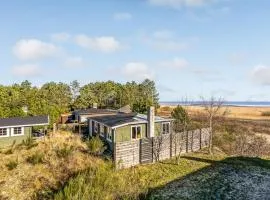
{"points": [[133, 132], [3, 131], [138, 132], [168, 128], [17, 131]]}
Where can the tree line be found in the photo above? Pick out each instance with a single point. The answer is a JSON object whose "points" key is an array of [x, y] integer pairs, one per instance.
{"points": [[54, 98]]}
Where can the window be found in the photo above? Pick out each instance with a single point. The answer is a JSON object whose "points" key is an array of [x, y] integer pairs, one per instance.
{"points": [[3, 132], [165, 128], [101, 128], [136, 132], [109, 134], [17, 131], [96, 127]]}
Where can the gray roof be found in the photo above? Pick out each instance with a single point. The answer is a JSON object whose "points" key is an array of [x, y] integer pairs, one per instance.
{"points": [[24, 121], [90, 111], [124, 119]]}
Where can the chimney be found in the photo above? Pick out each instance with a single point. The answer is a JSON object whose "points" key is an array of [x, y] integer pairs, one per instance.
{"points": [[95, 105], [151, 122]]}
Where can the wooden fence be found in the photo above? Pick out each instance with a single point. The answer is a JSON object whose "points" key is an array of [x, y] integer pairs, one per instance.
{"points": [[149, 150]]}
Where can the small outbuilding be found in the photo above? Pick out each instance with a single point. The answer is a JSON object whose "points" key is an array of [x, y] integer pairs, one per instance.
{"points": [[19, 128]]}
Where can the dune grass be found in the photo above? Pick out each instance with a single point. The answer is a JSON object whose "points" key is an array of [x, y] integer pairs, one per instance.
{"points": [[31, 173]]}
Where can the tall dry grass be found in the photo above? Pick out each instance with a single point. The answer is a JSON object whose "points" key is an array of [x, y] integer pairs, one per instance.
{"points": [[44, 167]]}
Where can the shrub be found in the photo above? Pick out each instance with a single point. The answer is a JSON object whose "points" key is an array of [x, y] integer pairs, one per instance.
{"points": [[12, 164], [65, 151], [29, 142], [95, 146], [266, 113], [36, 158]]}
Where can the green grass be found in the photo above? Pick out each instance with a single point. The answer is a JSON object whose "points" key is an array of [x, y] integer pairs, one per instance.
{"points": [[12, 164], [104, 182], [36, 158], [65, 151]]}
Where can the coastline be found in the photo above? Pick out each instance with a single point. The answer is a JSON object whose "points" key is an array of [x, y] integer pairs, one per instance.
{"points": [[228, 104]]}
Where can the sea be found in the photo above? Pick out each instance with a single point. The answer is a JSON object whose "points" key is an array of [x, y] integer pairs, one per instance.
{"points": [[226, 103]]}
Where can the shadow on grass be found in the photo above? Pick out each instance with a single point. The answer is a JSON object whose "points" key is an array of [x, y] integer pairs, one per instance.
{"points": [[231, 178]]}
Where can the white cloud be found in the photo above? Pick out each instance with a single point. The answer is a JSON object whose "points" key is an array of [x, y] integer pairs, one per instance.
{"points": [[33, 49], [104, 44], [176, 63], [176, 4], [26, 70], [76, 61], [60, 37], [261, 74], [137, 71], [122, 16]]}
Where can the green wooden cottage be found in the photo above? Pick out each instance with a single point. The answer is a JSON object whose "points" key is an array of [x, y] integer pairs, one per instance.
{"points": [[128, 126], [19, 128]]}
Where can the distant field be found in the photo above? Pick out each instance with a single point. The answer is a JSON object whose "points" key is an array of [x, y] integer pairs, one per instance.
{"points": [[230, 111]]}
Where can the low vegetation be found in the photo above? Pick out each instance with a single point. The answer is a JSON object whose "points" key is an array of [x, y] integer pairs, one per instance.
{"points": [[36, 158], [12, 164], [36, 172], [95, 146], [103, 182], [266, 113]]}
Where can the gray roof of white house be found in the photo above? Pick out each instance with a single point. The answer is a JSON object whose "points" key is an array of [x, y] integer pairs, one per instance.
{"points": [[24, 121]]}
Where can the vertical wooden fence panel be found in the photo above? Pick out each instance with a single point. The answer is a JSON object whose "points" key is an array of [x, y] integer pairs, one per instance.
{"points": [[148, 150]]}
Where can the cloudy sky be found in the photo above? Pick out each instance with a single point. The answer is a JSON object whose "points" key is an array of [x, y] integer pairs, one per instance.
{"points": [[189, 47]]}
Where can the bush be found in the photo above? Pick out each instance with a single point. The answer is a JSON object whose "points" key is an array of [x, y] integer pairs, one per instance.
{"points": [[65, 151], [266, 113], [29, 142], [35, 158], [95, 146], [12, 164]]}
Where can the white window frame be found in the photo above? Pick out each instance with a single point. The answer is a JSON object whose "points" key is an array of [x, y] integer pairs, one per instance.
{"points": [[163, 123], [2, 136], [136, 132], [109, 133], [14, 135]]}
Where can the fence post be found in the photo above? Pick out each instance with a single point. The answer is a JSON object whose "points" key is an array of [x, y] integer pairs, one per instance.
{"points": [[187, 142], [170, 145], [192, 140], [200, 138]]}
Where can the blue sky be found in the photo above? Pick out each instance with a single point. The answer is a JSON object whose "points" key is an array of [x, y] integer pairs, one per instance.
{"points": [[191, 48]]}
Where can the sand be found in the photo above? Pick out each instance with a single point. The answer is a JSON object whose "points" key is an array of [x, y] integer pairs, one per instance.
{"points": [[229, 111]]}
